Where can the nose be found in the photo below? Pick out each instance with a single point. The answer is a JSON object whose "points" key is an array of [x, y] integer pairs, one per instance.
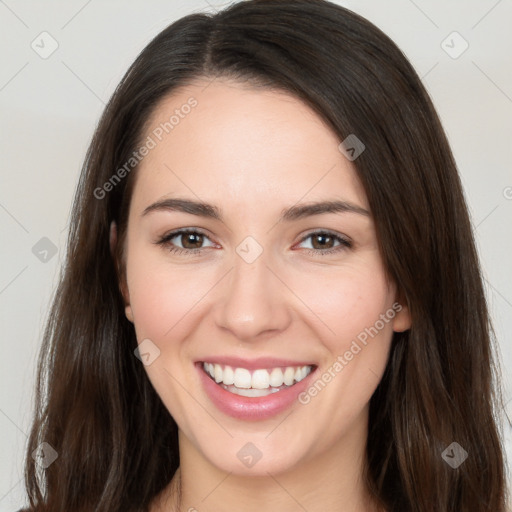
{"points": [[255, 301]]}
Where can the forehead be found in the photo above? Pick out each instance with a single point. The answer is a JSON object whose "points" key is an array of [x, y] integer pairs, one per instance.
{"points": [[223, 139]]}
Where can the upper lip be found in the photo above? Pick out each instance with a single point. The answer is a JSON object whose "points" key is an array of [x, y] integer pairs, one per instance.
{"points": [[253, 364]]}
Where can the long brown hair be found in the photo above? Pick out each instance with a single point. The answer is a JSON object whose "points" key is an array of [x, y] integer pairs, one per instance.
{"points": [[116, 442]]}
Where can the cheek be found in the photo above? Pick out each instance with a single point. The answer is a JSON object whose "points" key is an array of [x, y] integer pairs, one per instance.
{"points": [[160, 296], [162, 302], [356, 313], [347, 302]]}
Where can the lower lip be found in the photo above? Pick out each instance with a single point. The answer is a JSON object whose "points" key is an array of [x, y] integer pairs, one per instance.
{"points": [[251, 408]]}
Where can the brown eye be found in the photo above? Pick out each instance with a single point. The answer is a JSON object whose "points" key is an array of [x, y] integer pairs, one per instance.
{"points": [[324, 242], [191, 240]]}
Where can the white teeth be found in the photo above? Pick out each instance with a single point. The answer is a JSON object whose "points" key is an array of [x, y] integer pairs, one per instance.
{"points": [[260, 379], [242, 378], [276, 378], [250, 392], [289, 374], [239, 379], [217, 372], [228, 376]]}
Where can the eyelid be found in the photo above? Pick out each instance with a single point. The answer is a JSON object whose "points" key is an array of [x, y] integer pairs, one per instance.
{"points": [[190, 229]]}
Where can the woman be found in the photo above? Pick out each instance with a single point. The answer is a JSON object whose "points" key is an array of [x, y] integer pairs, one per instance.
{"points": [[272, 298]]}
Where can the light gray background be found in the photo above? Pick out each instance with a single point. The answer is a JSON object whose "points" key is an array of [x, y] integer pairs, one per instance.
{"points": [[50, 107]]}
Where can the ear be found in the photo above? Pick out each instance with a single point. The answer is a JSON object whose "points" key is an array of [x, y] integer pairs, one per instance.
{"points": [[122, 285], [402, 320]]}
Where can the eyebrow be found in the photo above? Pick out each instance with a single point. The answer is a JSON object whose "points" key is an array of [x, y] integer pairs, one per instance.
{"points": [[288, 214]]}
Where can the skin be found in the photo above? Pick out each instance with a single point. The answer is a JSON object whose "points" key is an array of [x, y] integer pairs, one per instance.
{"points": [[254, 152]]}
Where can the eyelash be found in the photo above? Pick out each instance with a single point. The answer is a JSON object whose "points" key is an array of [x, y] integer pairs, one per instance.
{"points": [[165, 242]]}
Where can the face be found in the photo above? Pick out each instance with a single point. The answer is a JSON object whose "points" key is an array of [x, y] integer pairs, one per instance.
{"points": [[290, 308]]}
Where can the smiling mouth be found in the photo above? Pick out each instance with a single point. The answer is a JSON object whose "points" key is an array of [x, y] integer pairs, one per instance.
{"points": [[256, 383]]}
